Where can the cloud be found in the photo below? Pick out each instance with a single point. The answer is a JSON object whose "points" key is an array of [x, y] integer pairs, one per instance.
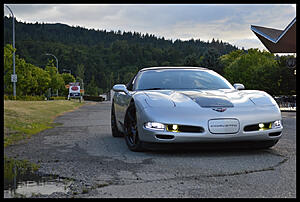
{"points": [[229, 22], [249, 43]]}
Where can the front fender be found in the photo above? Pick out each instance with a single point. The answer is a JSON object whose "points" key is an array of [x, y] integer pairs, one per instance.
{"points": [[261, 98]]}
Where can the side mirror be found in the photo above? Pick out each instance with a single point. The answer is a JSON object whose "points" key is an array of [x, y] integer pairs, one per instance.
{"points": [[239, 86], [120, 88]]}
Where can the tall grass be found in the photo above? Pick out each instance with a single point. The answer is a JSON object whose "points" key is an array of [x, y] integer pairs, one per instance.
{"points": [[22, 119]]}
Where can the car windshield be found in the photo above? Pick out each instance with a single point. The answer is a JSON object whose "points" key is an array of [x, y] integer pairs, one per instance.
{"points": [[181, 79]]}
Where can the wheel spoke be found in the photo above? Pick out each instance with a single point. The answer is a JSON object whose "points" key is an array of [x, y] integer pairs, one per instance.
{"points": [[131, 128], [133, 132]]}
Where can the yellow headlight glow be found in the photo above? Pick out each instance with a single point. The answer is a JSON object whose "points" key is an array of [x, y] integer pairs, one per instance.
{"points": [[173, 128]]}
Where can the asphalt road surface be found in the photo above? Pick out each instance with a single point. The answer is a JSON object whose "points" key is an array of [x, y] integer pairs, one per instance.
{"points": [[83, 149]]}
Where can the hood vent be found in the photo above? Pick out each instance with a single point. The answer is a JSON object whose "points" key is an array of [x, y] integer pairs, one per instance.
{"points": [[209, 101]]}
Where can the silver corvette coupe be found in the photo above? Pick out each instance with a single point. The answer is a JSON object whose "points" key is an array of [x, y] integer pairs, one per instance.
{"points": [[192, 105]]}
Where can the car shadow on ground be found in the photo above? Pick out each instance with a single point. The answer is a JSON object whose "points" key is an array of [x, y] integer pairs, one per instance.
{"points": [[191, 149], [207, 149]]}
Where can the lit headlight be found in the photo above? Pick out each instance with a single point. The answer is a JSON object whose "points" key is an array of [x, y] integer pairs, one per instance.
{"points": [[154, 126], [276, 124]]}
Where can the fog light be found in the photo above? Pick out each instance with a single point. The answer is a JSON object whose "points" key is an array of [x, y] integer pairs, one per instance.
{"points": [[175, 127], [154, 126], [172, 128]]}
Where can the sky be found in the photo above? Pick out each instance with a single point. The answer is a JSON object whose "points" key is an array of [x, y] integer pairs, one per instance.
{"points": [[227, 22]]}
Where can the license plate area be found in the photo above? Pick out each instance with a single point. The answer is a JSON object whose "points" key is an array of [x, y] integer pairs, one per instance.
{"points": [[223, 126]]}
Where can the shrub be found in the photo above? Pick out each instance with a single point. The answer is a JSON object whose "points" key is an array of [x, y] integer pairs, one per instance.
{"points": [[24, 97], [58, 98]]}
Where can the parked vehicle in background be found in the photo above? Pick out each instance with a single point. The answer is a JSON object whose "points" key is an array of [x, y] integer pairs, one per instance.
{"points": [[74, 91]]}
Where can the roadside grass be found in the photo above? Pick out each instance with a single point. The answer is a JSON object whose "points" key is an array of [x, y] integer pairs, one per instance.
{"points": [[22, 119]]}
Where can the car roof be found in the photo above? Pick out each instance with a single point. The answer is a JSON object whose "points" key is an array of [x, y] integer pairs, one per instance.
{"points": [[159, 68]]}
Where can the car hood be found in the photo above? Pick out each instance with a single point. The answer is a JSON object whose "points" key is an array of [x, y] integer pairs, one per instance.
{"points": [[207, 98]]}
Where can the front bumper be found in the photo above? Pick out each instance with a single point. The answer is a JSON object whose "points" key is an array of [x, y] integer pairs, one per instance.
{"points": [[202, 117], [181, 137], [74, 95]]}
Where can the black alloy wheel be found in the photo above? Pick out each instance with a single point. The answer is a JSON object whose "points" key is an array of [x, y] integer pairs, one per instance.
{"points": [[131, 136]]}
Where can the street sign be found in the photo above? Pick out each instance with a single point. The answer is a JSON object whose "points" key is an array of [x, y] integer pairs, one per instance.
{"points": [[74, 88], [14, 78]]}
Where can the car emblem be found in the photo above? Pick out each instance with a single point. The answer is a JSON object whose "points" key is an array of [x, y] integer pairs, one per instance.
{"points": [[220, 109]]}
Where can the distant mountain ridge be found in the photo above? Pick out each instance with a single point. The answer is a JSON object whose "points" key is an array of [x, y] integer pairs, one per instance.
{"points": [[108, 56]]}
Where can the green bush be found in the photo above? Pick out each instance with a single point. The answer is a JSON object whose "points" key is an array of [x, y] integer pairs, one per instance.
{"points": [[24, 97], [58, 98], [32, 98]]}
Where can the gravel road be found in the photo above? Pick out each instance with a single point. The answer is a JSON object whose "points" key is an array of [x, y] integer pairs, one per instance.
{"points": [[83, 150]]}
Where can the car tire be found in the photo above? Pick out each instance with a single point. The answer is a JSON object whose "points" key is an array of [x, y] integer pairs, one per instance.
{"points": [[114, 129], [131, 130]]}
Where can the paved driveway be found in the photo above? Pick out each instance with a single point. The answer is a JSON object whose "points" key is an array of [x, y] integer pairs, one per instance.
{"points": [[82, 149]]}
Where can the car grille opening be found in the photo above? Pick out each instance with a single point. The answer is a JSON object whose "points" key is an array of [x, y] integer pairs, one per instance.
{"points": [[274, 134], [255, 127], [186, 129], [251, 128], [165, 136]]}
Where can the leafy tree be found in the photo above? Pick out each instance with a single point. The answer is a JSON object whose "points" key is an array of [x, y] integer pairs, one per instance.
{"points": [[227, 59], [27, 83], [287, 77], [255, 69], [43, 80], [68, 78], [32, 80], [8, 68], [56, 82]]}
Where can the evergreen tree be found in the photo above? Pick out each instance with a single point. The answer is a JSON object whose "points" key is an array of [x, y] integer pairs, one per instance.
{"points": [[97, 53], [92, 89]]}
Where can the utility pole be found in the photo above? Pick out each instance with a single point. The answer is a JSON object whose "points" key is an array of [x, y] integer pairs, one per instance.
{"points": [[13, 76]]}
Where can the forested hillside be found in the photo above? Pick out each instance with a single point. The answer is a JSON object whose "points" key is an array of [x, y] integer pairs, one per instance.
{"points": [[103, 58]]}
